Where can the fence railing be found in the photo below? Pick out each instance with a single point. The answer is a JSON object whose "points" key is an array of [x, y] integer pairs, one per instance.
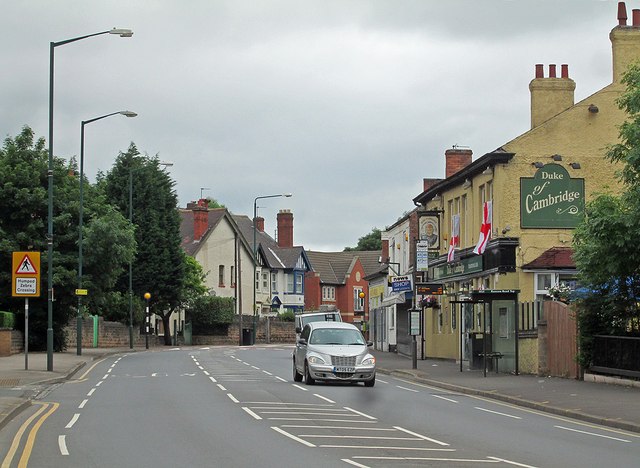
{"points": [[616, 355], [529, 315]]}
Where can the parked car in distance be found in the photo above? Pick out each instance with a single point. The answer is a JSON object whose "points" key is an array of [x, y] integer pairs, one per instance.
{"points": [[333, 351], [327, 316]]}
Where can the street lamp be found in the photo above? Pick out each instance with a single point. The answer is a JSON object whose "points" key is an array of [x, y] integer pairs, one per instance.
{"points": [[131, 171], [80, 292], [52, 46], [255, 257]]}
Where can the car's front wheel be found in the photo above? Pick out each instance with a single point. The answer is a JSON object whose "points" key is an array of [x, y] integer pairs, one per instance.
{"points": [[297, 376], [370, 383], [307, 375]]}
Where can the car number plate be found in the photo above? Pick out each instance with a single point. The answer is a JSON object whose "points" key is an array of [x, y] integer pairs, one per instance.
{"points": [[343, 369]]}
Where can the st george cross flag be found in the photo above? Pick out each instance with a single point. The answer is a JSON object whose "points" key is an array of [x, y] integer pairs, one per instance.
{"points": [[485, 229], [455, 236]]}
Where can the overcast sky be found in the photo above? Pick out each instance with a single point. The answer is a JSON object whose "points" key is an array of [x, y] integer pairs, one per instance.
{"points": [[346, 104]]}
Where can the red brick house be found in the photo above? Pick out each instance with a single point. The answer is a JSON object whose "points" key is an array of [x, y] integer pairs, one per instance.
{"points": [[337, 279]]}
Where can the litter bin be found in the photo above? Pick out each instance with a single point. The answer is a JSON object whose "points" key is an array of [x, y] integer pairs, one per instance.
{"points": [[247, 336]]}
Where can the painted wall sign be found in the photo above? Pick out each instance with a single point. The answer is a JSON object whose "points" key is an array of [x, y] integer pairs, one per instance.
{"points": [[463, 267], [551, 199]]}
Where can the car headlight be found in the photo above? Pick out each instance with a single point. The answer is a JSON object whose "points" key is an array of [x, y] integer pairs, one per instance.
{"points": [[315, 360], [369, 361]]}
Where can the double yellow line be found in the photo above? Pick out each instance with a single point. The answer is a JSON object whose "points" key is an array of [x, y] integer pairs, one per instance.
{"points": [[26, 452]]}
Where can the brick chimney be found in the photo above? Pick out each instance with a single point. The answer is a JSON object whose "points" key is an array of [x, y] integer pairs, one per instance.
{"points": [[260, 223], [428, 183], [456, 159], [285, 228], [200, 219], [625, 41], [552, 95]]}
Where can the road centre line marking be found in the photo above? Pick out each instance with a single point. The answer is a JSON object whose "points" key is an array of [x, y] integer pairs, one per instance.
{"points": [[322, 419], [16, 440], [74, 419], [323, 398], [105, 376], [466, 460], [346, 428], [408, 389], [62, 445], [251, 413], [84, 402], [435, 441], [292, 437], [280, 378], [300, 387], [200, 367], [592, 434], [91, 392], [333, 436], [206, 373], [511, 462], [246, 363], [222, 388], [109, 370], [28, 447], [380, 447], [279, 403], [257, 368], [358, 412], [268, 373], [232, 398], [497, 412], [445, 398], [213, 379], [99, 383]]}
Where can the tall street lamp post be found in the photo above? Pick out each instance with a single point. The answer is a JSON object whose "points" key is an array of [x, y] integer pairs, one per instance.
{"points": [[131, 171], [80, 291], [255, 258], [52, 46]]}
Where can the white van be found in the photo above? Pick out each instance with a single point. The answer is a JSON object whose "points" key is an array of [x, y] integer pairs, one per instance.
{"points": [[303, 319]]}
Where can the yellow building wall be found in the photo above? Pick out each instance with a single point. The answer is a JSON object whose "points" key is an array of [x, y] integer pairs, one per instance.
{"points": [[528, 356], [440, 341]]}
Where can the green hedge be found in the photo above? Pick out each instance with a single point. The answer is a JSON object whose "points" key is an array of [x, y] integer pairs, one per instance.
{"points": [[7, 319]]}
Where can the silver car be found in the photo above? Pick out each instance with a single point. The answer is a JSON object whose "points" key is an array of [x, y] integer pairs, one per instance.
{"points": [[333, 351]]}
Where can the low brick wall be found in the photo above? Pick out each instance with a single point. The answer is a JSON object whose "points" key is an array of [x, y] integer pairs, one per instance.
{"points": [[115, 334]]}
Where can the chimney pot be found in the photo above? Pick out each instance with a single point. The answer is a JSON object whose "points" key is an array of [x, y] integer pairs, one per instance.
{"points": [[622, 14], [564, 70], [539, 70], [635, 14], [552, 71]]}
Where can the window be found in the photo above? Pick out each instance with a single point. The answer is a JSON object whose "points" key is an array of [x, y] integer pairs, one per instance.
{"points": [[358, 302], [233, 277], [265, 281], [257, 278], [274, 282], [290, 283], [221, 276], [464, 231], [299, 283], [328, 293]]}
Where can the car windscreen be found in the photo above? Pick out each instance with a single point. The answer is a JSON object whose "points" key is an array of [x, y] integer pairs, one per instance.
{"points": [[336, 336]]}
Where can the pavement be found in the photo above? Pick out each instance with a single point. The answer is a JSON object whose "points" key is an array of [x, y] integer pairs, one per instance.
{"points": [[612, 405]]}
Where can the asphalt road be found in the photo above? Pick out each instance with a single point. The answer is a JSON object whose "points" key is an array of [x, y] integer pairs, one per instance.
{"points": [[239, 407]]}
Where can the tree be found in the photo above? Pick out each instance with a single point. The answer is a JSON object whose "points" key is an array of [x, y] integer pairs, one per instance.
{"points": [[371, 241], [159, 264], [23, 227], [211, 315], [606, 251]]}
